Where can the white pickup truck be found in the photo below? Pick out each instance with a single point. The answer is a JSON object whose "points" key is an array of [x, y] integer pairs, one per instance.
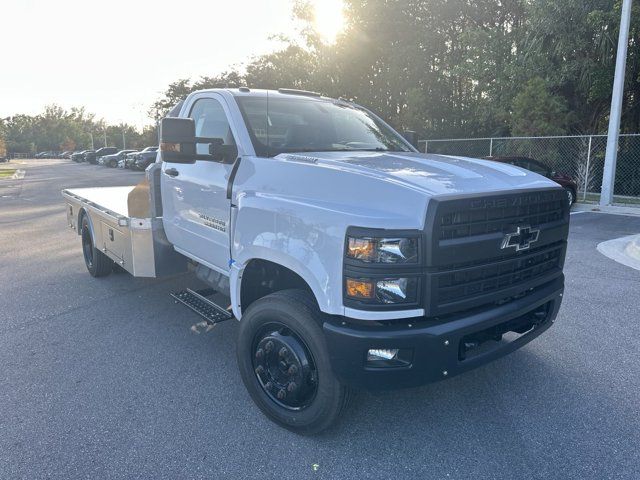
{"points": [[350, 259]]}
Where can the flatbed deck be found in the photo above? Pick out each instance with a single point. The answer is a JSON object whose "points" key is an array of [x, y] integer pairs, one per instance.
{"points": [[113, 199]]}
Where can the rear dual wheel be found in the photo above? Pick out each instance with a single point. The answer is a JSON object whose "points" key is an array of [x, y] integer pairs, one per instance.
{"points": [[98, 264], [284, 363]]}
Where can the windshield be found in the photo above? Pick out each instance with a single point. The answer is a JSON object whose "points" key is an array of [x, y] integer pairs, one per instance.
{"points": [[314, 125]]}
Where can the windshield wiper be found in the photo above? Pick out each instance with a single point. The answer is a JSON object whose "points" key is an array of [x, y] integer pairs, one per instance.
{"points": [[377, 149]]}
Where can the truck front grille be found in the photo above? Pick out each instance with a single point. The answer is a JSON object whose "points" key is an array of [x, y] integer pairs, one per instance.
{"points": [[464, 283], [467, 263], [482, 216]]}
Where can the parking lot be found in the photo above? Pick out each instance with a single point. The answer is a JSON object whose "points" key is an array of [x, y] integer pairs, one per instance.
{"points": [[104, 378]]}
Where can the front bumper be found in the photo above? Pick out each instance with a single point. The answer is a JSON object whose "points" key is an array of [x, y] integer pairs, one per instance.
{"points": [[439, 346]]}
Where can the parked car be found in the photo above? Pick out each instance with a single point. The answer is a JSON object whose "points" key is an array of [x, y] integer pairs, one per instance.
{"points": [[536, 166], [92, 157], [66, 154], [78, 156], [85, 153], [127, 160], [144, 158], [113, 159]]}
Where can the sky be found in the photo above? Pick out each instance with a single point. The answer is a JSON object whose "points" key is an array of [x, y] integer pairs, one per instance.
{"points": [[116, 57]]}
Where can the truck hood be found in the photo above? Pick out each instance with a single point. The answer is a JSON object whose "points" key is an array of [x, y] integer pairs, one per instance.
{"points": [[429, 173]]}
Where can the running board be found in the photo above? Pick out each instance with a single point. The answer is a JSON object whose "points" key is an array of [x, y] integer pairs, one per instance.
{"points": [[204, 307]]}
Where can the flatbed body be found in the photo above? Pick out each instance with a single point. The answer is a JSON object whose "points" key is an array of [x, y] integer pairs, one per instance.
{"points": [[138, 244]]}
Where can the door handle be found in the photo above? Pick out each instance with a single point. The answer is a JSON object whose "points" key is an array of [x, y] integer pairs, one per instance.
{"points": [[172, 172]]}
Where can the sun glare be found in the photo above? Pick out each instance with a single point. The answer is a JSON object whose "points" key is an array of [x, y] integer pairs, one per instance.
{"points": [[329, 19]]}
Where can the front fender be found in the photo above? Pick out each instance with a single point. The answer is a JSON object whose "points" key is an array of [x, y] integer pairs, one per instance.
{"points": [[293, 264], [303, 239]]}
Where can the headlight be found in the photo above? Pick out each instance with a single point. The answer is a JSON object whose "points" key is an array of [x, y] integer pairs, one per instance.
{"points": [[383, 250], [383, 291]]}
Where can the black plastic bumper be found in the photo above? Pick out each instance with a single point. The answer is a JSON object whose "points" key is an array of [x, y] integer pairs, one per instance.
{"points": [[438, 346]]}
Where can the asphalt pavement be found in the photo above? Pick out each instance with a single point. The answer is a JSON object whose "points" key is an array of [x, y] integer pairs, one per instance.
{"points": [[104, 378]]}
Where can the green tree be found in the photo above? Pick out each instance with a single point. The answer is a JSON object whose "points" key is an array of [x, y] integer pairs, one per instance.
{"points": [[537, 111]]}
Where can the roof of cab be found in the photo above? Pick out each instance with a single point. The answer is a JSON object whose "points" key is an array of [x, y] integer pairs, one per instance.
{"points": [[259, 92]]}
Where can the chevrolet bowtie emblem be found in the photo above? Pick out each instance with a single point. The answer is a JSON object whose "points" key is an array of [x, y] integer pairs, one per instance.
{"points": [[521, 239]]}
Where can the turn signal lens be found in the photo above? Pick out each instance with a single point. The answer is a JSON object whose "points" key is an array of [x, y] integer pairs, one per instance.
{"points": [[383, 250], [361, 248], [170, 147], [385, 291], [359, 288]]}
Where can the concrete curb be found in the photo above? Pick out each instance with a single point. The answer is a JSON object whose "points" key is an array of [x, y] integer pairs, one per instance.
{"points": [[613, 209], [633, 248], [624, 250]]}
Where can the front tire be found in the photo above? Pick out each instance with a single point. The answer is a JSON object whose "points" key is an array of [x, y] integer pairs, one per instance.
{"points": [[284, 363], [571, 195], [98, 264]]}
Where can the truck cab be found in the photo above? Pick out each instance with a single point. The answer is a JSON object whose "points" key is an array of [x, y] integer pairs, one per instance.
{"points": [[350, 259]]}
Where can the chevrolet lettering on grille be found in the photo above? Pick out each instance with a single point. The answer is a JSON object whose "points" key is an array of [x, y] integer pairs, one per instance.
{"points": [[521, 239]]}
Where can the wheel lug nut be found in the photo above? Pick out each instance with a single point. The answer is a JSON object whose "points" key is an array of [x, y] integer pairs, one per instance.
{"points": [[292, 370], [281, 394], [268, 385], [292, 386], [269, 346], [259, 354], [259, 370], [282, 352]]}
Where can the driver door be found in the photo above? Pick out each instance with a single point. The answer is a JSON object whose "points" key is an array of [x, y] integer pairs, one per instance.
{"points": [[194, 196]]}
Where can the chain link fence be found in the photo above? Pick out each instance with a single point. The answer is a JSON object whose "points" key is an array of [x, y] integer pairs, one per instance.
{"points": [[580, 157]]}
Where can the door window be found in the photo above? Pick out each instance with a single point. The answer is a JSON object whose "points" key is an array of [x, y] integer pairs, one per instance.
{"points": [[538, 168], [211, 122]]}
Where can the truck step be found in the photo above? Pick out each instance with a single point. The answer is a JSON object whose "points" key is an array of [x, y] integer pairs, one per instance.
{"points": [[204, 307]]}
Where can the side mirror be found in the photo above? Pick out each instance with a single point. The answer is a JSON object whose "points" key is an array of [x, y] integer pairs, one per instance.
{"points": [[411, 137], [177, 140], [221, 152]]}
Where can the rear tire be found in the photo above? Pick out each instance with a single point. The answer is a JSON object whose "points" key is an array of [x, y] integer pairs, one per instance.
{"points": [[310, 399], [98, 264]]}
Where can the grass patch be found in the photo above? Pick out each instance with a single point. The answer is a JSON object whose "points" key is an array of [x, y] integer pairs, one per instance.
{"points": [[7, 172], [617, 199]]}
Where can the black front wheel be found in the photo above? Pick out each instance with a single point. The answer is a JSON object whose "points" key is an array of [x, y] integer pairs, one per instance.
{"points": [[284, 363], [571, 195], [98, 264]]}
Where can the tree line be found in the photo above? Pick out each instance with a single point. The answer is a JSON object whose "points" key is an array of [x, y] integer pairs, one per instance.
{"points": [[58, 129], [443, 68], [458, 68]]}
